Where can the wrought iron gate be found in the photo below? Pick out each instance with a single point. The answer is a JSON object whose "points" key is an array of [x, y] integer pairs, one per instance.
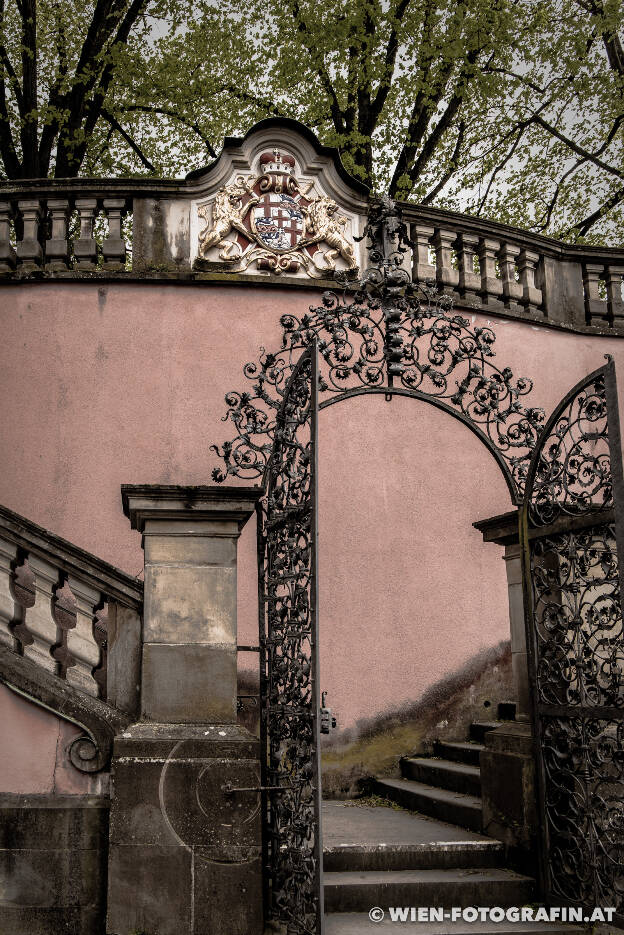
{"points": [[289, 665], [571, 527]]}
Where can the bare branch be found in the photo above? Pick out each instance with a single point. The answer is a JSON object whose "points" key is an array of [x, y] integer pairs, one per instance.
{"points": [[587, 223], [167, 112], [126, 136], [579, 150], [302, 29], [453, 163]]}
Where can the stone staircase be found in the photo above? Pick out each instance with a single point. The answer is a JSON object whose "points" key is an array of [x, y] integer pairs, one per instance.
{"points": [[436, 858], [447, 785]]}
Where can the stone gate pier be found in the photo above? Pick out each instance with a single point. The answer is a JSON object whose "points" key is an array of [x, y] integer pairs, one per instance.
{"points": [[185, 852]]}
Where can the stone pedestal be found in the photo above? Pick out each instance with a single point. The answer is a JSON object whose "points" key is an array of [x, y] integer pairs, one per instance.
{"points": [[508, 792], [185, 851]]}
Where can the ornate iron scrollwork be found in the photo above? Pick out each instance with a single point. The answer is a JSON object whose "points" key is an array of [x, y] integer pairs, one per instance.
{"points": [[576, 644], [388, 335], [289, 659]]}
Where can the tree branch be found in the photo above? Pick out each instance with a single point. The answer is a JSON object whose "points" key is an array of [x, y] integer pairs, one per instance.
{"points": [[126, 136], [302, 29], [579, 150], [453, 163], [166, 112], [584, 226], [29, 129]]}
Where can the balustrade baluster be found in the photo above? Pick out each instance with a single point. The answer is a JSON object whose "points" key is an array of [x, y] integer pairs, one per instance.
{"points": [[614, 276], [512, 290], [7, 253], [114, 247], [469, 281], [595, 306], [57, 247], [527, 266], [423, 268], [446, 276], [85, 248], [491, 286], [81, 643], [29, 251], [8, 554], [40, 619]]}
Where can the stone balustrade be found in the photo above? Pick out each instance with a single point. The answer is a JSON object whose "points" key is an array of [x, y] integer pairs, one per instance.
{"points": [[75, 227], [496, 268], [59, 605]]}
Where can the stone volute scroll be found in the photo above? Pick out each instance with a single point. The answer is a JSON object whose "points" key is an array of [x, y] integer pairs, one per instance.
{"points": [[277, 203]]}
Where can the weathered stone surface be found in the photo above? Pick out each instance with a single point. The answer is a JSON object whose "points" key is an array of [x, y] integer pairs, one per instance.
{"points": [[192, 546], [170, 808], [222, 891], [124, 658], [189, 683], [52, 864], [508, 791], [187, 603], [53, 821], [149, 890]]}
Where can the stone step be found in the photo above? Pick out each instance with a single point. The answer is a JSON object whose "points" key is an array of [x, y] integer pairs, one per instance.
{"points": [[506, 710], [454, 807], [460, 751], [478, 729], [351, 923], [444, 774], [434, 855], [359, 891]]}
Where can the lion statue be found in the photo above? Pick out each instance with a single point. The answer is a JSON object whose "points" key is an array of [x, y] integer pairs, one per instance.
{"points": [[323, 225], [228, 214]]}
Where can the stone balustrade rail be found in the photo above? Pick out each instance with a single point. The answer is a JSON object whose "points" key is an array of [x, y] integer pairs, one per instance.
{"points": [[57, 603], [75, 227]]}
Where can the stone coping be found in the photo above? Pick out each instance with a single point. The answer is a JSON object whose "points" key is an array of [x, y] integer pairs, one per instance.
{"points": [[36, 540]]}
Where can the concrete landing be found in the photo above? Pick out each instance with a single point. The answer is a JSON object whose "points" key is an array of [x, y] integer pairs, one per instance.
{"points": [[352, 923], [345, 823]]}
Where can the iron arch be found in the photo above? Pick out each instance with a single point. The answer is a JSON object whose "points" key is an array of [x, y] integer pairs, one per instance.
{"points": [[387, 335]]}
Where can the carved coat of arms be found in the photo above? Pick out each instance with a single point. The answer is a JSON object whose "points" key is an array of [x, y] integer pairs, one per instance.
{"points": [[275, 223]]}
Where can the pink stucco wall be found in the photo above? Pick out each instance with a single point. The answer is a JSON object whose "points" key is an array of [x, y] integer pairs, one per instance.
{"points": [[112, 384], [34, 745]]}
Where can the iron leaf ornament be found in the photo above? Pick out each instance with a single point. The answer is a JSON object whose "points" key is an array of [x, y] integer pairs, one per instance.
{"points": [[387, 334]]}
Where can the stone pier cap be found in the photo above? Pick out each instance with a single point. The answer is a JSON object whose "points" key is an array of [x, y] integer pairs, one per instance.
{"points": [[145, 502]]}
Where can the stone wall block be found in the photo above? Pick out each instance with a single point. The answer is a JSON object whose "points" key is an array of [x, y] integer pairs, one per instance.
{"points": [[190, 604], [189, 684], [8, 257], [53, 864], [81, 643], [29, 251], [57, 246], [508, 793], [40, 617]]}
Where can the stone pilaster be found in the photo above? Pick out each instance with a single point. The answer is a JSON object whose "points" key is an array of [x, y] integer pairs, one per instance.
{"points": [[184, 856]]}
